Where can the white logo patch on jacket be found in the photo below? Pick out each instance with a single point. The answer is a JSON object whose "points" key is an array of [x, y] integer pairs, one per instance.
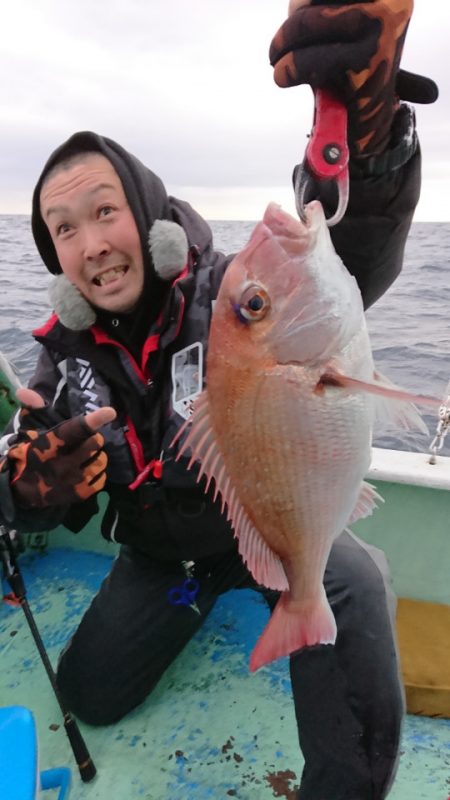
{"points": [[187, 378]]}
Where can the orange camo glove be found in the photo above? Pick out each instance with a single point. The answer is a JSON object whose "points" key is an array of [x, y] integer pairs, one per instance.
{"points": [[353, 50], [56, 467]]}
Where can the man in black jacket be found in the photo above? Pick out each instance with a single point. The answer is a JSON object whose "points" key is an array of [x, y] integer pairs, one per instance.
{"points": [[136, 277]]}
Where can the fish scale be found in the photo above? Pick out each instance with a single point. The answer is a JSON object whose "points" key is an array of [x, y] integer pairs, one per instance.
{"points": [[282, 457]]}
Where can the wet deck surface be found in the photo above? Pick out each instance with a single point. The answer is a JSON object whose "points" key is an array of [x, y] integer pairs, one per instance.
{"points": [[209, 730]]}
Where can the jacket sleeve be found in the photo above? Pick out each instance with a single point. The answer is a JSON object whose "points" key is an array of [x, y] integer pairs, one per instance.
{"points": [[372, 235], [49, 382]]}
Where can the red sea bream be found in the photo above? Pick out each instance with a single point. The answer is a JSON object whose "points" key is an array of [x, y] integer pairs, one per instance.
{"points": [[284, 426]]}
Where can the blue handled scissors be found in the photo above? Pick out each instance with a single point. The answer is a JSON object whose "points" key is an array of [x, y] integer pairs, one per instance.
{"points": [[185, 594]]}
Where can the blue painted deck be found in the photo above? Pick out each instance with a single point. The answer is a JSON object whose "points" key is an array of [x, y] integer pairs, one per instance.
{"points": [[209, 730]]}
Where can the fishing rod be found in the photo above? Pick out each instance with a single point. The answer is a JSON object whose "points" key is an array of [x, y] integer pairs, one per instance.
{"points": [[14, 577], [9, 382]]}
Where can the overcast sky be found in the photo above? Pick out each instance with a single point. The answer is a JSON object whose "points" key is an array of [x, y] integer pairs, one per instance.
{"points": [[187, 87]]}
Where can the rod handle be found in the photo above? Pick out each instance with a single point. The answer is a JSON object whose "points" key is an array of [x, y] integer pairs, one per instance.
{"points": [[84, 761]]}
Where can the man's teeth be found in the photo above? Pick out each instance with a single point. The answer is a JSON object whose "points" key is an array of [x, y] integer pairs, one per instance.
{"points": [[109, 275]]}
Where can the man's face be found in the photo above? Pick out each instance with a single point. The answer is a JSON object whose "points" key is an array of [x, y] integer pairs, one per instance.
{"points": [[94, 233]]}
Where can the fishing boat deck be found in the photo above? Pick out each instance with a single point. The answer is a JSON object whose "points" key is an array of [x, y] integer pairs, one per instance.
{"points": [[209, 730]]}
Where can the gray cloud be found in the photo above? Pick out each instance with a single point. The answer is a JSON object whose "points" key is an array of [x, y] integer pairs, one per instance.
{"points": [[185, 85]]}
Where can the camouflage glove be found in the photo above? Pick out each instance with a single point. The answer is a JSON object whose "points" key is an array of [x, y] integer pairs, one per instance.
{"points": [[55, 467], [353, 50]]}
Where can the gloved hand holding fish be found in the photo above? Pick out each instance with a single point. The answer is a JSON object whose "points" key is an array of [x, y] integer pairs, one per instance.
{"points": [[285, 424]]}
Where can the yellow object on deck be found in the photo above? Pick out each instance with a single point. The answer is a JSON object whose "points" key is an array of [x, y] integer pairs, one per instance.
{"points": [[424, 639]]}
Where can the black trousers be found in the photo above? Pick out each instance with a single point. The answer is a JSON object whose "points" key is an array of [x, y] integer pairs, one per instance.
{"points": [[348, 698]]}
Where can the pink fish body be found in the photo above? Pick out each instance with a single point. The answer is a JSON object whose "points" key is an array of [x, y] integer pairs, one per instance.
{"points": [[286, 442]]}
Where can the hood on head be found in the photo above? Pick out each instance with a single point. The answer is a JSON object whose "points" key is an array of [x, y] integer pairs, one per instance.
{"points": [[143, 189], [169, 229]]}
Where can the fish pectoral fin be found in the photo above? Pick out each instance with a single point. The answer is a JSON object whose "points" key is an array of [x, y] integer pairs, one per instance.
{"points": [[367, 501], [292, 626], [263, 563], [392, 404], [396, 406]]}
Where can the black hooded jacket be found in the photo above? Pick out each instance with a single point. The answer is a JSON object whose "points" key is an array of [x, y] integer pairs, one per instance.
{"points": [[131, 368]]}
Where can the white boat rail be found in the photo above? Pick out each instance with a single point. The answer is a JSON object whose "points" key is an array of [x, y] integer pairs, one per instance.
{"points": [[415, 469]]}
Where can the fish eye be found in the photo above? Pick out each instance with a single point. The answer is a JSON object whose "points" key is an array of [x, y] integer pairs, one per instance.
{"points": [[254, 304]]}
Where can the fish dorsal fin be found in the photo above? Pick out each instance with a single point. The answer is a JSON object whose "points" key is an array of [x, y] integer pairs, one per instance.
{"points": [[262, 562], [366, 503]]}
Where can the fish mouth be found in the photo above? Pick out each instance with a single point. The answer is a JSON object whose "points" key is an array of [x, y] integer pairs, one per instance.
{"points": [[110, 275], [313, 210], [281, 223]]}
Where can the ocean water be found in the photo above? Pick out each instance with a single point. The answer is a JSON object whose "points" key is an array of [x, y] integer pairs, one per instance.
{"points": [[409, 326]]}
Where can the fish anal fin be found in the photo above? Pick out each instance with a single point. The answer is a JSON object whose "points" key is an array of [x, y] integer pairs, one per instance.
{"points": [[265, 566], [292, 626]]}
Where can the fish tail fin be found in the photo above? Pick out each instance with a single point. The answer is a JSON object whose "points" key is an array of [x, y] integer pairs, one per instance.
{"points": [[293, 625]]}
